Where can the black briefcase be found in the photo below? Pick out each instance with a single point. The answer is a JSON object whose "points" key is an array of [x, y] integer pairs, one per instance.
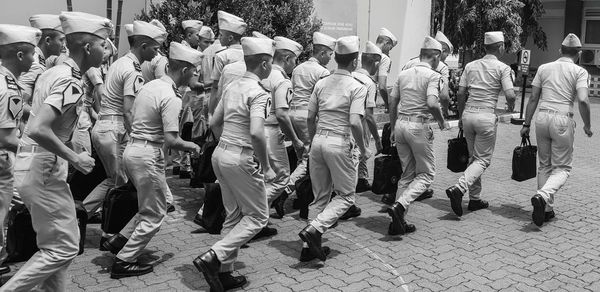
{"points": [[386, 145], [458, 153], [202, 170], [524, 161], [305, 195], [82, 219], [119, 206], [21, 241], [291, 152], [214, 214], [387, 170]]}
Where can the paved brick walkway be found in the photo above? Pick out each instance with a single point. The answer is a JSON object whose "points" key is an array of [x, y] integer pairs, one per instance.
{"points": [[490, 250]]}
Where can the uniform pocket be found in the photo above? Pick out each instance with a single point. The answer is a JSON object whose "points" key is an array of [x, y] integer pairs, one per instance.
{"points": [[562, 124], [429, 134]]}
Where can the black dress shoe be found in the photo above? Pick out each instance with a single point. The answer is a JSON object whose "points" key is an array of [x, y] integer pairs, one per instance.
{"points": [[198, 220], [539, 205], [455, 196], [279, 204], [398, 225], [363, 185], [184, 174], [549, 216], [115, 243], [475, 205], [209, 265], [394, 230], [176, 170], [312, 237], [230, 282], [4, 269], [352, 212], [428, 193], [306, 255], [122, 269], [95, 219], [265, 232], [102, 241], [170, 208], [388, 199]]}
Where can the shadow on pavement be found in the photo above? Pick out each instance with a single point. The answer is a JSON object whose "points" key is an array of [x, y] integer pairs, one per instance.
{"points": [[511, 211]]}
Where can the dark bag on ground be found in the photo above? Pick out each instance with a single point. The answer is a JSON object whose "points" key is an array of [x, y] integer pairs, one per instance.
{"points": [[458, 153], [82, 219], [386, 145], [524, 161], [21, 243], [119, 206], [387, 170], [214, 214], [82, 185], [305, 195], [202, 170]]}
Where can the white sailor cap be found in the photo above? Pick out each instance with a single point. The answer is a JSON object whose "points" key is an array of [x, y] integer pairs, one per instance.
{"points": [[572, 41], [256, 46], [492, 37], [76, 22], [46, 21], [150, 30], [441, 37], [197, 24], [282, 43], [206, 32], [431, 44], [257, 34], [371, 48], [347, 45], [386, 33], [128, 29], [230, 22], [184, 53], [13, 34], [324, 40]]}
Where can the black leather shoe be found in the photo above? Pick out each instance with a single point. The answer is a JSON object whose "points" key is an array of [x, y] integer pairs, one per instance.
{"points": [[455, 196], [539, 205], [265, 232], [102, 241], [176, 170], [122, 269], [352, 212], [394, 230], [306, 255], [95, 219], [475, 205], [4, 269], [230, 282], [208, 264], [170, 208], [388, 199], [279, 204], [312, 237], [549, 216], [198, 220], [115, 243], [428, 193], [363, 185], [184, 174], [398, 225]]}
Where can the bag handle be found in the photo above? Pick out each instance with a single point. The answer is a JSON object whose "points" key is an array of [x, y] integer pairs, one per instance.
{"points": [[460, 133], [209, 132], [525, 141]]}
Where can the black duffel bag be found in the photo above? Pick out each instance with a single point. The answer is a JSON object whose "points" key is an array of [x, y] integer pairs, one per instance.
{"points": [[524, 161], [119, 206], [21, 241], [214, 214], [458, 153], [202, 170], [387, 170], [386, 144]]}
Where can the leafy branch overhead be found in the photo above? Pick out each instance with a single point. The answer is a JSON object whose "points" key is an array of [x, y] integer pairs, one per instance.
{"points": [[290, 18]]}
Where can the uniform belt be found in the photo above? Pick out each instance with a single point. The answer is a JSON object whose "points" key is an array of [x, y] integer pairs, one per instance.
{"points": [[568, 114], [235, 148], [329, 133], [416, 119], [117, 118], [145, 142], [298, 107], [31, 149], [479, 109]]}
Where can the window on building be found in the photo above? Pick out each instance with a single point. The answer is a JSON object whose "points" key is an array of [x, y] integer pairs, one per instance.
{"points": [[591, 26]]}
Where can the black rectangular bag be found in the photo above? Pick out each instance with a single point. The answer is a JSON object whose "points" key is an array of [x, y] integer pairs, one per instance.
{"points": [[305, 194], [202, 170], [386, 145], [214, 214], [458, 153], [82, 223], [21, 243], [119, 206], [291, 152], [387, 170], [82, 185], [524, 161]]}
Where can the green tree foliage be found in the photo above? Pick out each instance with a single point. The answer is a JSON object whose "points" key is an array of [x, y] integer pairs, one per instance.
{"points": [[290, 18], [466, 21]]}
